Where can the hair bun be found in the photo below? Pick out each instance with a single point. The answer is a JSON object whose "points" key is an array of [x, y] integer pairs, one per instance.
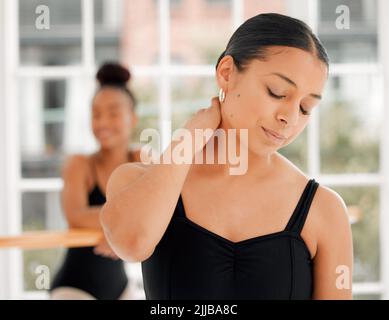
{"points": [[111, 73]]}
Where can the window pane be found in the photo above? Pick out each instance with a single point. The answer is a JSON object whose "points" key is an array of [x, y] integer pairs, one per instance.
{"points": [[199, 31], [41, 124], [294, 8], [146, 93], [60, 44], [363, 207], [350, 117], [54, 120], [108, 30], [139, 34], [188, 95], [358, 43], [41, 211]]}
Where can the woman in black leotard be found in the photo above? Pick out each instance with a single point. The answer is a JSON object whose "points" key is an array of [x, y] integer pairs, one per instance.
{"points": [[268, 233], [96, 272]]}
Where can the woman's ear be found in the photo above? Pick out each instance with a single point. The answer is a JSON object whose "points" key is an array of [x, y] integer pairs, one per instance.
{"points": [[224, 72]]}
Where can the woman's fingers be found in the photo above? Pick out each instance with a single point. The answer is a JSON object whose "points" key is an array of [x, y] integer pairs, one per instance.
{"points": [[215, 102]]}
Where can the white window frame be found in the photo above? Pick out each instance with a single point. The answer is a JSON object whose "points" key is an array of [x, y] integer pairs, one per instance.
{"points": [[12, 185]]}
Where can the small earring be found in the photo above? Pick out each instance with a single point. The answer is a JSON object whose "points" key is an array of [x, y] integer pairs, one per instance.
{"points": [[222, 95]]}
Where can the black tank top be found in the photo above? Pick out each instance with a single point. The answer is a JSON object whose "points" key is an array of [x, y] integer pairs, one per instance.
{"points": [[191, 262], [103, 278]]}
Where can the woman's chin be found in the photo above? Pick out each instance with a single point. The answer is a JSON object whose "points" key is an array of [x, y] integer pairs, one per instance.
{"points": [[106, 144]]}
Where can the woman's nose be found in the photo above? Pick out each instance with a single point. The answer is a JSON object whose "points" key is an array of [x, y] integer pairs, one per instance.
{"points": [[102, 121], [288, 115]]}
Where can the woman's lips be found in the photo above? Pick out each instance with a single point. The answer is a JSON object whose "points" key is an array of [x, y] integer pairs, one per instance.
{"points": [[274, 135], [104, 134]]}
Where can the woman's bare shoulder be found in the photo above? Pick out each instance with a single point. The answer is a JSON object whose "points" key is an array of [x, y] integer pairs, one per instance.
{"points": [[330, 207], [77, 164], [78, 167], [77, 159], [328, 210], [328, 219]]}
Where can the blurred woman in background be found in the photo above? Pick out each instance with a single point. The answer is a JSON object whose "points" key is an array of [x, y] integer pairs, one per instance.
{"points": [[96, 272]]}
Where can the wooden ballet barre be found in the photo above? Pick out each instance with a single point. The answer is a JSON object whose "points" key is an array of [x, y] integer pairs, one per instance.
{"points": [[50, 239], [82, 237]]}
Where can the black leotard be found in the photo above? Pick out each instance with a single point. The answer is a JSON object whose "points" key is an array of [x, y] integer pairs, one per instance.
{"points": [[103, 278], [191, 262]]}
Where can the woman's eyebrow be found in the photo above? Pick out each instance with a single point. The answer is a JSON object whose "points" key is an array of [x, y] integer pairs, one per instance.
{"points": [[291, 82]]}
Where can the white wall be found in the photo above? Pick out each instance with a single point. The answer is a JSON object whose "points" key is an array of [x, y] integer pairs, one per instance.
{"points": [[10, 270], [3, 271]]}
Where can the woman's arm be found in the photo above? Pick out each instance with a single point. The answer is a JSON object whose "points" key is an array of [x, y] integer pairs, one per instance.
{"points": [[141, 199], [333, 262], [75, 195]]}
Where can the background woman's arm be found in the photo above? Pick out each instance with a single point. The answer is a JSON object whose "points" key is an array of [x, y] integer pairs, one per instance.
{"points": [[75, 195]]}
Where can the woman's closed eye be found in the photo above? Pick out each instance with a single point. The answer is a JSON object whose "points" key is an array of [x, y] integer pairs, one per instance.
{"points": [[275, 96]]}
